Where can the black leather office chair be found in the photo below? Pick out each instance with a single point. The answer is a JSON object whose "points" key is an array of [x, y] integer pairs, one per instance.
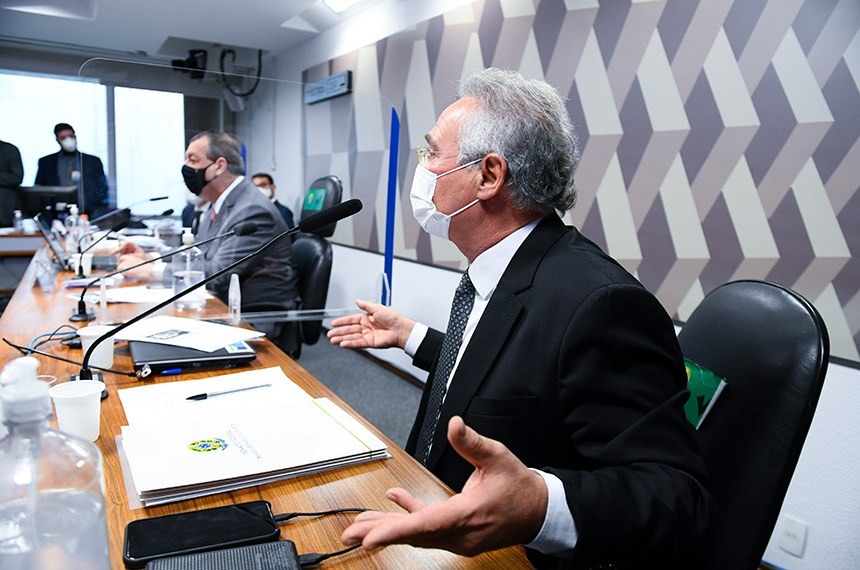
{"points": [[312, 258], [772, 347]]}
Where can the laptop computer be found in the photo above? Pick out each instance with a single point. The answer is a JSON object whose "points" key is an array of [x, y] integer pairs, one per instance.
{"points": [[160, 358], [57, 248]]}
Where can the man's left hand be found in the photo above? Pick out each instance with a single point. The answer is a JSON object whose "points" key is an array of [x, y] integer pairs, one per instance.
{"points": [[502, 504]]}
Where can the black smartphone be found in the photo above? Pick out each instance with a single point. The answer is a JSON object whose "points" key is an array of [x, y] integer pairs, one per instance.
{"points": [[198, 531]]}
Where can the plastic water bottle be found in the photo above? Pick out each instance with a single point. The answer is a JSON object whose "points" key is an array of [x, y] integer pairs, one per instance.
{"points": [[234, 300], [85, 237], [18, 221], [71, 224], [187, 271], [52, 508]]}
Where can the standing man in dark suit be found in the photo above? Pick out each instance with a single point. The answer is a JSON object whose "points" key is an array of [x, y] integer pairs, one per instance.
{"points": [[266, 184], [71, 167], [569, 376], [213, 171], [11, 175]]}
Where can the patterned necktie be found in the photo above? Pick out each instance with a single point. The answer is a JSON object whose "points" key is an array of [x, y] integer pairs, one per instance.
{"points": [[464, 298]]}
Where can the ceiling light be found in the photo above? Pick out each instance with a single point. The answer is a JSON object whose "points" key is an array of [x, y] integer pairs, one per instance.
{"points": [[339, 6]]}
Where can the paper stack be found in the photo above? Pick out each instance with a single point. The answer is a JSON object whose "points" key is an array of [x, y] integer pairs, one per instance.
{"points": [[177, 449]]}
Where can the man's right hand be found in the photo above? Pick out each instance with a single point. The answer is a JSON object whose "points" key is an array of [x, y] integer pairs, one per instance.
{"points": [[131, 254], [377, 327]]}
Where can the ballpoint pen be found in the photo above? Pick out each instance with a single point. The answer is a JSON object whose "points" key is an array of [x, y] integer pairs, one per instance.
{"points": [[222, 392]]}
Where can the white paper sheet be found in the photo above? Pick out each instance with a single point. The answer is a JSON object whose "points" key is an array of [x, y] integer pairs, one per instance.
{"points": [[191, 333], [166, 402]]}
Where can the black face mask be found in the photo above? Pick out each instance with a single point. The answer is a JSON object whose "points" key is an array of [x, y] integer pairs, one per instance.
{"points": [[195, 179]]}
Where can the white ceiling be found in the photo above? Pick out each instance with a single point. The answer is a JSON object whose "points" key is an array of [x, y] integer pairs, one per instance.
{"points": [[161, 30]]}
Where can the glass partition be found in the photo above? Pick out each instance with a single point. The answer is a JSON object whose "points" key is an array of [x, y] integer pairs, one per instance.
{"points": [[159, 108]]}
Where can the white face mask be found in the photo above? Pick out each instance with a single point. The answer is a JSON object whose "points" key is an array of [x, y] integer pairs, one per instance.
{"points": [[69, 144], [267, 192], [421, 195]]}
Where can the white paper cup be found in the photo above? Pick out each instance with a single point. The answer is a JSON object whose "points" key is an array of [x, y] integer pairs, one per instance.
{"points": [[48, 379], [85, 260], [102, 356], [78, 407]]}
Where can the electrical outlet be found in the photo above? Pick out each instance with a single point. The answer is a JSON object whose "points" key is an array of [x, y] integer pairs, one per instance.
{"points": [[793, 537]]}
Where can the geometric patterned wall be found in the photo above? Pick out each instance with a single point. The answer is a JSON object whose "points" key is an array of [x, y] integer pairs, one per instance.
{"points": [[720, 139]]}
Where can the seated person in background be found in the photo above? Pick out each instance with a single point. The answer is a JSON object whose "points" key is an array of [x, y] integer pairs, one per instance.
{"points": [[71, 167], [266, 184], [213, 171], [569, 375]]}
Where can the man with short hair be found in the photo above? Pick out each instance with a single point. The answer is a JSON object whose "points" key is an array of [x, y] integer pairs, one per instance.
{"points": [[266, 184], [71, 167], [213, 170], [554, 402]]}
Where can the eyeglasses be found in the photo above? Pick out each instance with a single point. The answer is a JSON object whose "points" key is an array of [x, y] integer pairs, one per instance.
{"points": [[424, 154]]}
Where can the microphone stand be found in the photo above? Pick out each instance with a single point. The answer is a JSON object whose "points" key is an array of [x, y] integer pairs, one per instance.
{"points": [[127, 209], [117, 227], [318, 220], [81, 313]]}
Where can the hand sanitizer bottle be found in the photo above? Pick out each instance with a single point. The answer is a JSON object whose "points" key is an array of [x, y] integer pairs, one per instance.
{"points": [[187, 271], [52, 507]]}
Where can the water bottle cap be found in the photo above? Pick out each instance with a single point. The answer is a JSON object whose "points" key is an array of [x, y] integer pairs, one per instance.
{"points": [[25, 401], [22, 368]]}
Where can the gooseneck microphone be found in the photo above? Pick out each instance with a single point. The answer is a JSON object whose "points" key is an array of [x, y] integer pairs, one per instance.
{"points": [[82, 314], [127, 210], [117, 227], [324, 218], [164, 214]]}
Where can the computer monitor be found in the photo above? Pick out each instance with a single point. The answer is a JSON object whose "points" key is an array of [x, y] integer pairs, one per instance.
{"points": [[35, 199]]}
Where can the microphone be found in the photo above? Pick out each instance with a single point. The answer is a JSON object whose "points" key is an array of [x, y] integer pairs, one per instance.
{"points": [[164, 214], [328, 216], [318, 220], [127, 210], [81, 313], [117, 227]]}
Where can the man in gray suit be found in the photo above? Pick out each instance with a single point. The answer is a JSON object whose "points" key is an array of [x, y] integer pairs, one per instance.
{"points": [[213, 170]]}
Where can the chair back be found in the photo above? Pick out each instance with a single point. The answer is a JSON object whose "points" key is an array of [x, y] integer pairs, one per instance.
{"points": [[323, 193], [772, 347], [312, 256]]}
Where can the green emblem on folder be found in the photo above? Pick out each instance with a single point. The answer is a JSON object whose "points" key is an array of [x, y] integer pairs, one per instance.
{"points": [[204, 445]]}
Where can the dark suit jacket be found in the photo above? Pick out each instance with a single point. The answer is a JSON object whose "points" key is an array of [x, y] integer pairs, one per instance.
{"points": [[11, 175], [267, 280], [286, 213], [94, 181], [575, 367]]}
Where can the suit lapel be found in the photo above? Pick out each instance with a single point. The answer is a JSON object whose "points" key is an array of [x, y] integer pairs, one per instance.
{"points": [[207, 228], [494, 328]]}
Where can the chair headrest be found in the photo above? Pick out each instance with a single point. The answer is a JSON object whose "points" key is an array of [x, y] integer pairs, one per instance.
{"points": [[322, 193]]}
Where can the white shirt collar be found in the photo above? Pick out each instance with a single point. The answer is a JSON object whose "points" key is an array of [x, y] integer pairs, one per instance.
{"points": [[220, 201], [487, 269]]}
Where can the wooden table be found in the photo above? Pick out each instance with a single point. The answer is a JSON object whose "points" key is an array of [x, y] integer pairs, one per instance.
{"points": [[32, 311]]}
